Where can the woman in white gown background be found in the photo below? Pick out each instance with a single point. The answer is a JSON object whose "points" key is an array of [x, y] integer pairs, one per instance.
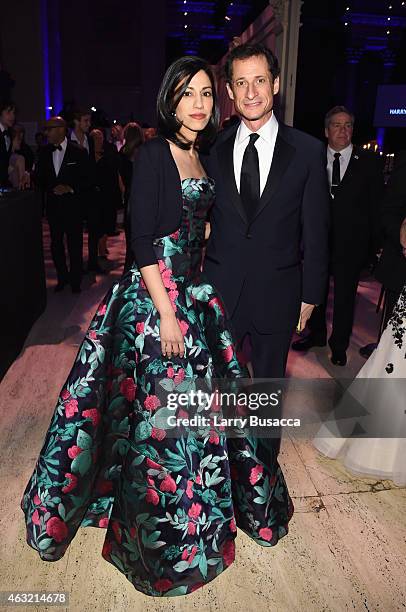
{"points": [[383, 457]]}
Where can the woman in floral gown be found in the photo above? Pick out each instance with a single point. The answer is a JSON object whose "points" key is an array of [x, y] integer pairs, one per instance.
{"points": [[171, 505]]}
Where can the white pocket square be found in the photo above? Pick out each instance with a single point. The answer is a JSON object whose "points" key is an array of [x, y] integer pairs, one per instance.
{"points": [[71, 163]]}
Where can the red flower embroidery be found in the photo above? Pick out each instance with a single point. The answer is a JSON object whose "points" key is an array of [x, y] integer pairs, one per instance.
{"points": [[193, 554], [189, 492], [216, 302], [185, 554], [56, 529], [140, 328], [180, 376], [103, 523], [228, 353], [151, 402], [191, 528], [233, 526], [133, 532], [168, 485], [65, 395], [175, 235], [93, 414], [37, 500], [70, 408], [266, 533], [102, 310], [214, 438], [74, 451], [158, 434], [229, 552], [152, 497], [128, 389], [194, 511], [183, 327], [35, 517], [256, 474], [170, 372], [92, 335], [152, 464], [71, 485], [163, 584], [198, 479]]}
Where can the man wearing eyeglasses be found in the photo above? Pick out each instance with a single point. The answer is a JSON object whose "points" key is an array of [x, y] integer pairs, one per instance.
{"points": [[271, 198], [63, 174], [356, 185]]}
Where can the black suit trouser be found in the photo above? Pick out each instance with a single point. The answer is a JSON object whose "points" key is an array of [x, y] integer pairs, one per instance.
{"points": [[345, 280], [63, 220]]}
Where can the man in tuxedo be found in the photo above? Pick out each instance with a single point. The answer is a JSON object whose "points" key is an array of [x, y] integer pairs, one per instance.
{"points": [[271, 200], [82, 120], [391, 269], [356, 184], [63, 175], [7, 120]]}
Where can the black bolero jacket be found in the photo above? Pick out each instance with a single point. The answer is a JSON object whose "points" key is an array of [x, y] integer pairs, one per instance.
{"points": [[155, 200]]}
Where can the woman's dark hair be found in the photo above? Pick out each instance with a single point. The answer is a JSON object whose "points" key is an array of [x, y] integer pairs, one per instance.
{"points": [[184, 69], [134, 138], [242, 52]]}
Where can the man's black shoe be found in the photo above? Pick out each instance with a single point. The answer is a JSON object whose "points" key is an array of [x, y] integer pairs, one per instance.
{"points": [[59, 287], [304, 344], [367, 350], [339, 358]]}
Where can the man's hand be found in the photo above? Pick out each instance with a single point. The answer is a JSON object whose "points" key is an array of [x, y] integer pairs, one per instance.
{"points": [[403, 236], [62, 189], [305, 313]]}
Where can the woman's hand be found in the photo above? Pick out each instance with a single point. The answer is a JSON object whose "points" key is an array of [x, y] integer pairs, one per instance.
{"points": [[171, 336]]}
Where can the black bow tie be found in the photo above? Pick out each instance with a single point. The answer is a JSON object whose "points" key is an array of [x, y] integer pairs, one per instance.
{"points": [[56, 148]]}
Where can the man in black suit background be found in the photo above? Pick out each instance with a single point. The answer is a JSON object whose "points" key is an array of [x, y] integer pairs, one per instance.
{"points": [[7, 120], [271, 198], [356, 186], [63, 176], [391, 269]]}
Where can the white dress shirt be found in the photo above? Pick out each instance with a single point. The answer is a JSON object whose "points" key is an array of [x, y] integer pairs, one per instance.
{"points": [[265, 146], [7, 139], [345, 156], [57, 156], [85, 144]]}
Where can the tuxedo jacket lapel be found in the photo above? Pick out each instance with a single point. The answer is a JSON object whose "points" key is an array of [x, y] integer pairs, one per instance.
{"points": [[225, 154], [281, 159]]}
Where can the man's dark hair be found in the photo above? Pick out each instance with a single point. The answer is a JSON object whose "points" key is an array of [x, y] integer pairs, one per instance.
{"points": [[245, 51], [78, 113], [334, 111], [7, 105], [184, 69]]}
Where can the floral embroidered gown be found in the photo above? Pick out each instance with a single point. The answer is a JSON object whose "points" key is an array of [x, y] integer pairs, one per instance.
{"points": [[170, 505]]}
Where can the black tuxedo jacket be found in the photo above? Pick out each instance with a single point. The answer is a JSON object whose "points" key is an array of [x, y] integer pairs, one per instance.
{"points": [[391, 269], [265, 255], [74, 171], [4, 161], [355, 210]]}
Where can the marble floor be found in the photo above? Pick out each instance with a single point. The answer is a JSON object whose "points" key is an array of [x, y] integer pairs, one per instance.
{"points": [[346, 549]]}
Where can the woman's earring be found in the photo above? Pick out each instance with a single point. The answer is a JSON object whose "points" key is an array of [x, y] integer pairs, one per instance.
{"points": [[173, 114]]}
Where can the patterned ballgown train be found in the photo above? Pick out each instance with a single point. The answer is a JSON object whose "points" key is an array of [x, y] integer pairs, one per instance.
{"points": [[170, 505]]}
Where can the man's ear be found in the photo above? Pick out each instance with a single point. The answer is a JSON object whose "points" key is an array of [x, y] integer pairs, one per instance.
{"points": [[326, 132], [229, 91], [276, 86]]}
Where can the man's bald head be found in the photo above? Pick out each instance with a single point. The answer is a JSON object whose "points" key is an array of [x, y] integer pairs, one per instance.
{"points": [[55, 129]]}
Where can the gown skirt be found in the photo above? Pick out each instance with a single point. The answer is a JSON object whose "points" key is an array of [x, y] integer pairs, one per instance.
{"points": [[170, 505]]}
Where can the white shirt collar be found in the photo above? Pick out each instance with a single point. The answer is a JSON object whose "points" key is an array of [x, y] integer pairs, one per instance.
{"points": [[268, 131], [345, 153], [2, 127]]}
